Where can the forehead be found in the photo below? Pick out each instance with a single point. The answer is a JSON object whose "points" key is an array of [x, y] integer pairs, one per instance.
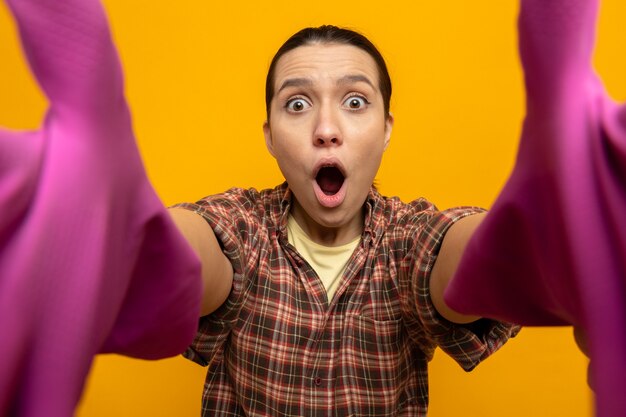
{"points": [[318, 61]]}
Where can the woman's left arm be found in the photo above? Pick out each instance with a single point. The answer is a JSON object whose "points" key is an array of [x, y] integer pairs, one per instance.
{"points": [[447, 262]]}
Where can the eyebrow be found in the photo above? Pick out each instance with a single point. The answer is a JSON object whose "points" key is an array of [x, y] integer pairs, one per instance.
{"points": [[295, 82], [353, 79], [307, 82]]}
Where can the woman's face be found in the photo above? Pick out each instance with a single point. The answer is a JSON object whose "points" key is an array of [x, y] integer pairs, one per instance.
{"points": [[328, 131]]}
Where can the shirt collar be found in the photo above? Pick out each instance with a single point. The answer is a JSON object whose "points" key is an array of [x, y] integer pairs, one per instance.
{"points": [[374, 212]]}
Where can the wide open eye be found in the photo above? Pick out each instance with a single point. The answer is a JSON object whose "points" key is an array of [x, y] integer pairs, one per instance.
{"points": [[297, 105], [355, 103]]}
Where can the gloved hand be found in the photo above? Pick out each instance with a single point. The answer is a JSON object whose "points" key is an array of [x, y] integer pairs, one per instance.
{"points": [[89, 258]]}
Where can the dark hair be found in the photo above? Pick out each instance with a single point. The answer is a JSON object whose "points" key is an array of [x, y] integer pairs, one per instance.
{"points": [[330, 34]]}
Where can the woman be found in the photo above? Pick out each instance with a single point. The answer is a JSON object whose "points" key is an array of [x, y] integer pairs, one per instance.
{"points": [[325, 286]]}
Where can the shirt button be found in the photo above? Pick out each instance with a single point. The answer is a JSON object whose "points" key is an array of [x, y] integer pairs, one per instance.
{"points": [[318, 381]]}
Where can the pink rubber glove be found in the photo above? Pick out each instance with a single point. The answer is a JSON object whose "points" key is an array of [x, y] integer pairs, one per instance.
{"points": [[552, 251], [89, 258]]}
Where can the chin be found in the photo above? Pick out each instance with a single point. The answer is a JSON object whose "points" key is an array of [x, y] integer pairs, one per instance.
{"points": [[336, 217]]}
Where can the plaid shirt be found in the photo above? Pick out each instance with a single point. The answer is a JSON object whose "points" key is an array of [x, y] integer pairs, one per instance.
{"points": [[279, 347]]}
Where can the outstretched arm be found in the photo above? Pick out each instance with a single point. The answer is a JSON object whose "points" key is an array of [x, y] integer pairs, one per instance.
{"points": [[551, 250], [526, 242], [217, 271], [556, 42], [447, 262], [91, 260], [70, 51]]}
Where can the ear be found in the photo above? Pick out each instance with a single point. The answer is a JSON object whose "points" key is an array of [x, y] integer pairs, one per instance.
{"points": [[267, 132], [388, 128]]}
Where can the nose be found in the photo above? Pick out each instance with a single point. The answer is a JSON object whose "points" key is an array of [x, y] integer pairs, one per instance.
{"points": [[327, 129]]}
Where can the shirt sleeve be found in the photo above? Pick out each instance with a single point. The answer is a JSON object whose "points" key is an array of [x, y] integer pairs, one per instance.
{"points": [[232, 217], [467, 344]]}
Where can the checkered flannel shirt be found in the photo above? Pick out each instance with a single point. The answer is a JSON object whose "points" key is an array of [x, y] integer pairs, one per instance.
{"points": [[279, 347]]}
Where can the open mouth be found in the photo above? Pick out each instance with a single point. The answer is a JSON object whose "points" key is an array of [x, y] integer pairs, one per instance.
{"points": [[330, 179]]}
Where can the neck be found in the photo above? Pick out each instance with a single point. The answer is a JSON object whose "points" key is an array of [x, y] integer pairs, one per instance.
{"points": [[338, 235]]}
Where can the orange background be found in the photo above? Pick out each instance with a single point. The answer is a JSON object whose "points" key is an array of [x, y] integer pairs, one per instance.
{"points": [[195, 77]]}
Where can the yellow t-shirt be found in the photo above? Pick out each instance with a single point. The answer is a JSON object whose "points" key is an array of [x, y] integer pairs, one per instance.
{"points": [[329, 262]]}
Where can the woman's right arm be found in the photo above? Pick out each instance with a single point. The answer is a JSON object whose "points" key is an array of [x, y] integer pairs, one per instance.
{"points": [[217, 271]]}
